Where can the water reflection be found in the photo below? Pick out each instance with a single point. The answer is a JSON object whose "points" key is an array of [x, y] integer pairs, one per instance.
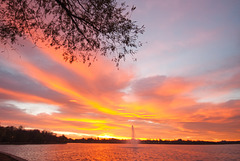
{"points": [[86, 151]]}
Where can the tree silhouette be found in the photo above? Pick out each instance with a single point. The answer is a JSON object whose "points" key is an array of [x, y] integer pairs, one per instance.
{"points": [[82, 29], [13, 135]]}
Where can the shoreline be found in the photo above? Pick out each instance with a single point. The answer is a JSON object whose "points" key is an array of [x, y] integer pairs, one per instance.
{"points": [[9, 157], [171, 143]]}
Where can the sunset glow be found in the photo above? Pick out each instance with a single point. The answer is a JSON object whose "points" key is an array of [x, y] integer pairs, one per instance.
{"points": [[185, 83]]}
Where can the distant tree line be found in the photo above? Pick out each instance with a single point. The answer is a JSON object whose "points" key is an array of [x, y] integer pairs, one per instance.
{"points": [[97, 140], [13, 135], [152, 141], [180, 141]]}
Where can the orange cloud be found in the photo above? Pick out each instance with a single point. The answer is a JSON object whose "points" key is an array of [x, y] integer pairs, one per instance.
{"points": [[102, 101]]}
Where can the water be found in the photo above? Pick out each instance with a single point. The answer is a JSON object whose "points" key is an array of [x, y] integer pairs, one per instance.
{"points": [[133, 133], [79, 151], [133, 141]]}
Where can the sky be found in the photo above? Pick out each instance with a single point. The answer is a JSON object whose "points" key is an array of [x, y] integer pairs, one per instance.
{"points": [[184, 84]]}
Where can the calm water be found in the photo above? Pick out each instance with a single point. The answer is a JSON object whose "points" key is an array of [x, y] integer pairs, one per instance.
{"points": [[101, 152]]}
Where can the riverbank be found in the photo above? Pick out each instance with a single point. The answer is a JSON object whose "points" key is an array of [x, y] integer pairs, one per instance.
{"points": [[9, 157]]}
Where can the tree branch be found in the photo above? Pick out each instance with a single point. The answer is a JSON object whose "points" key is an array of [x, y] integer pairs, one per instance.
{"points": [[70, 16]]}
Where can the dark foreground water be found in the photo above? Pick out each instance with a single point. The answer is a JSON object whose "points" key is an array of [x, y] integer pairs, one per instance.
{"points": [[79, 151]]}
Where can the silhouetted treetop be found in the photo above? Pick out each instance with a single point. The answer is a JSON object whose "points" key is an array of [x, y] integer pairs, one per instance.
{"points": [[82, 29], [13, 135]]}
